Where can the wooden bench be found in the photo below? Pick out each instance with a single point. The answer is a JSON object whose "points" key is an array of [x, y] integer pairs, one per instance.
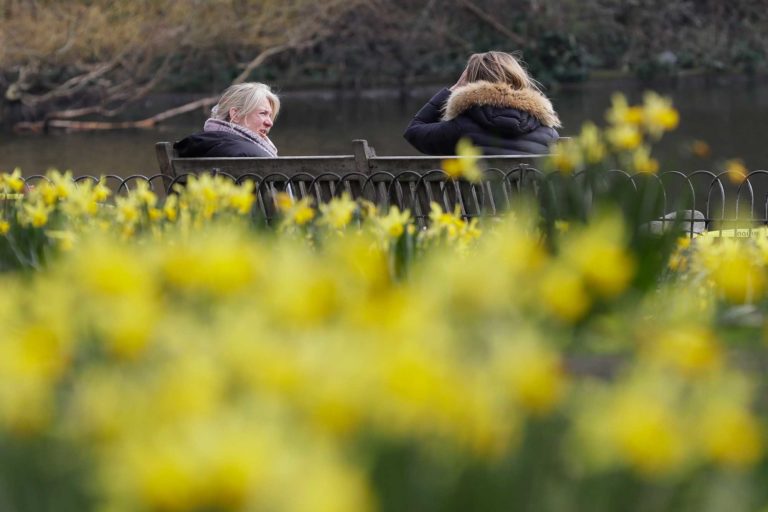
{"points": [[411, 182], [414, 182]]}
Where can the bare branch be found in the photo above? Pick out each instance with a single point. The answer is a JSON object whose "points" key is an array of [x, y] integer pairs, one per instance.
{"points": [[74, 84], [182, 109], [490, 20], [149, 122], [70, 42], [259, 60]]}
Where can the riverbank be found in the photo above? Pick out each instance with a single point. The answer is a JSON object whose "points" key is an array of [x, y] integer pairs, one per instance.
{"points": [[598, 80], [718, 110]]}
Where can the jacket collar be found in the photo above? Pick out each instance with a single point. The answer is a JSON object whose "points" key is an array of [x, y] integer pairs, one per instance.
{"points": [[503, 96], [218, 125]]}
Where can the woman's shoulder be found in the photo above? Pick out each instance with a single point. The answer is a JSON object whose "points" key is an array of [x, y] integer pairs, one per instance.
{"points": [[501, 96], [216, 144]]}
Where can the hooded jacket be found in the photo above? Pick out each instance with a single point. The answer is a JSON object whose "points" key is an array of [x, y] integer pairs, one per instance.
{"points": [[217, 144], [494, 116]]}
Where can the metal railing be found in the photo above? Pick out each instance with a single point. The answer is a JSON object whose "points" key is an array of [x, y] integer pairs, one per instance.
{"points": [[702, 199]]}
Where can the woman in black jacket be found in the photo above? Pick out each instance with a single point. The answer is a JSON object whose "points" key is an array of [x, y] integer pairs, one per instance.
{"points": [[495, 104], [239, 125]]}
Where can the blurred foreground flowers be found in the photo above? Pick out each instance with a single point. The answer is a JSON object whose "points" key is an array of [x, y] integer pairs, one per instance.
{"points": [[193, 363]]}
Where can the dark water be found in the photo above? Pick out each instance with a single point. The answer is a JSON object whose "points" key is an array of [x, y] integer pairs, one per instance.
{"points": [[730, 116]]}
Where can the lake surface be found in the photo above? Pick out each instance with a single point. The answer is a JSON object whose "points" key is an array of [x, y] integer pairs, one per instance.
{"points": [[729, 116]]}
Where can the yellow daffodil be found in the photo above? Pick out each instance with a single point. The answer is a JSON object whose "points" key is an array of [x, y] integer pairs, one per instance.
{"points": [[36, 214], [170, 208], [216, 264], [298, 213], [566, 156], [647, 434], [535, 376], [100, 191], [621, 113], [590, 140], [658, 114], [338, 212], [155, 214], [642, 161], [563, 294], [597, 252], [624, 137], [61, 183], [13, 182], [303, 212], [466, 164], [678, 261], [734, 272], [450, 224], [283, 201], [394, 223], [732, 435], [80, 202], [143, 195], [241, 198], [691, 349], [736, 171], [65, 239], [47, 192], [127, 210]]}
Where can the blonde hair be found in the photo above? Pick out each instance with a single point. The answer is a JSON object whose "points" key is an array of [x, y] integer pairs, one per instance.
{"points": [[245, 98], [499, 67]]}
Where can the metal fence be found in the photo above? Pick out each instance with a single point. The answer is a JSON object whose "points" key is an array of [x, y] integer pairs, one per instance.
{"points": [[703, 199]]}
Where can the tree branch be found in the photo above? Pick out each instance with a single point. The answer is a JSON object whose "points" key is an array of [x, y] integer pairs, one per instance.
{"points": [[65, 91], [149, 122], [74, 84], [490, 20], [259, 60]]}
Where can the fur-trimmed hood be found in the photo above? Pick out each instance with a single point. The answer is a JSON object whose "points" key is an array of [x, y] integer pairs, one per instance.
{"points": [[502, 96]]}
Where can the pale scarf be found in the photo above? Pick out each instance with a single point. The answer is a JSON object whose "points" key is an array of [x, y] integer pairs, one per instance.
{"points": [[219, 125]]}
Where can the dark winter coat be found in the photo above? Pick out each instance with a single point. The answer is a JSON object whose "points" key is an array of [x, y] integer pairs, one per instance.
{"points": [[217, 144], [494, 116]]}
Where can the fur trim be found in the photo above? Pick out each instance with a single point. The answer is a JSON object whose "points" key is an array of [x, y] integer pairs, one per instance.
{"points": [[500, 95]]}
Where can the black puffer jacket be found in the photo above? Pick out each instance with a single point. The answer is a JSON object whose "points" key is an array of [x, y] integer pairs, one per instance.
{"points": [[217, 144], [497, 118]]}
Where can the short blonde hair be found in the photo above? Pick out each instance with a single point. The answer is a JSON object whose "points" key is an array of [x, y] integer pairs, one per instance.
{"points": [[245, 98], [499, 67]]}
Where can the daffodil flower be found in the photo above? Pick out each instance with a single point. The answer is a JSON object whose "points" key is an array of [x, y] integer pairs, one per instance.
{"points": [[466, 164]]}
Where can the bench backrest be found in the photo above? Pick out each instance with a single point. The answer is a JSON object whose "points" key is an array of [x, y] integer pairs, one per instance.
{"points": [[411, 182]]}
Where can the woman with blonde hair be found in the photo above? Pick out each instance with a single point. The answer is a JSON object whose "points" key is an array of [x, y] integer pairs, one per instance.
{"points": [[239, 125], [495, 104]]}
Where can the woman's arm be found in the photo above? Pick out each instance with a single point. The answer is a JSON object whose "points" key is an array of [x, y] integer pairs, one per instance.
{"points": [[428, 133]]}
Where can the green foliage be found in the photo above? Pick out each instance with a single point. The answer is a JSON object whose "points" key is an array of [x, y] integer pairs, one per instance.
{"points": [[748, 57], [29, 465], [558, 58]]}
